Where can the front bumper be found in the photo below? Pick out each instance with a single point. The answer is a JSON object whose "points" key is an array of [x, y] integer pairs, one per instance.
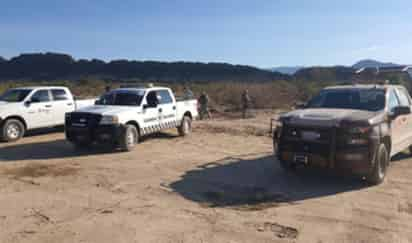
{"points": [[357, 160], [104, 134]]}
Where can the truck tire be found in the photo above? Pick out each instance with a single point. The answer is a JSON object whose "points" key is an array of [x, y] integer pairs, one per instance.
{"points": [[185, 127], [283, 164], [12, 130], [129, 138], [380, 166]]}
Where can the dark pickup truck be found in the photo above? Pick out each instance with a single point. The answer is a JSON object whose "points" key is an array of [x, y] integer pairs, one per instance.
{"points": [[355, 128]]}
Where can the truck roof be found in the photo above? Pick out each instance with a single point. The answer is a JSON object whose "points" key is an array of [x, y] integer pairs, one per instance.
{"points": [[364, 86], [41, 87], [140, 88]]}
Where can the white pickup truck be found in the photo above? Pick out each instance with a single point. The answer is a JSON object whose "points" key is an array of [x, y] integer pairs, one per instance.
{"points": [[27, 108], [121, 116]]}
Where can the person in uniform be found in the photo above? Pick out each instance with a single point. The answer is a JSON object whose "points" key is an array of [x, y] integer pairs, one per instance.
{"points": [[204, 106], [187, 93], [245, 103]]}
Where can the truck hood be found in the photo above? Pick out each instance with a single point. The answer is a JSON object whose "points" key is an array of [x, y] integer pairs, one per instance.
{"points": [[7, 108], [332, 117], [105, 110]]}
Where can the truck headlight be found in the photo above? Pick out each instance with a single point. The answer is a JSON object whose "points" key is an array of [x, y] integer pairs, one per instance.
{"points": [[359, 130], [358, 135], [109, 120]]}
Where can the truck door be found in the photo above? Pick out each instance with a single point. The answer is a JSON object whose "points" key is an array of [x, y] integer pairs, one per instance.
{"points": [[167, 109], [404, 100], [38, 109], [61, 105], [396, 124], [151, 113]]}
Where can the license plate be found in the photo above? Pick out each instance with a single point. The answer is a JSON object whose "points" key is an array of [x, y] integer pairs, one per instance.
{"points": [[300, 159], [309, 135], [78, 125]]}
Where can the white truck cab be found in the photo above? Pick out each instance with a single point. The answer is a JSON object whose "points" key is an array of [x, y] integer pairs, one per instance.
{"points": [[121, 116], [27, 108]]}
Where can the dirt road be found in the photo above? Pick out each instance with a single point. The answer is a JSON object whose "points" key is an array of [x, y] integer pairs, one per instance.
{"points": [[211, 187]]}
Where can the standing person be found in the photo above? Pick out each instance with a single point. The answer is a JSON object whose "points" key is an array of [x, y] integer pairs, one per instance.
{"points": [[187, 93], [204, 106], [107, 88], [245, 103]]}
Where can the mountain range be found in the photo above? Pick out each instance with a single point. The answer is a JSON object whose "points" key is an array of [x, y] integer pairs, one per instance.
{"points": [[57, 66], [366, 63]]}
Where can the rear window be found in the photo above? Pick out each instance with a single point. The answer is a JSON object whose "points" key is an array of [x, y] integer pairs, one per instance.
{"points": [[165, 97], [59, 94]]}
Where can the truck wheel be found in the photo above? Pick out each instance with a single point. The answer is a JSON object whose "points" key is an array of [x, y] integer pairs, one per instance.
{"points": [[12, 130], [129, 138], [283, 164], [186, 127], [378, 173]]}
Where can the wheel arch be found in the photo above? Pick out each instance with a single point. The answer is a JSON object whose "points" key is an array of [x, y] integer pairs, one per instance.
{"points": [[188, 114], [136, 124], [19, 118], [386, 140]]}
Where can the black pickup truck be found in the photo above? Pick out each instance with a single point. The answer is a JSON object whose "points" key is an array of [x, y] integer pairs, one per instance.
{"points": [[355, 128]]}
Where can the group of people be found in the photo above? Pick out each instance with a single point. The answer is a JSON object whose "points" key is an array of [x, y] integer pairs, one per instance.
{"points": [[204, 111]]}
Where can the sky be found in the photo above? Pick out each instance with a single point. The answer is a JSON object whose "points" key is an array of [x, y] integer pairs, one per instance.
{"points": [[262, 33]]}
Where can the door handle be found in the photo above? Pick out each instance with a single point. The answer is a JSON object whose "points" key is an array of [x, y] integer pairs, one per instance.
{"points": [[48, 106], [69, 104]]}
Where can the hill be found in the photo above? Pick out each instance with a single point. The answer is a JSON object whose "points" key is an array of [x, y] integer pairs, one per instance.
{"points": [[52, 66]]}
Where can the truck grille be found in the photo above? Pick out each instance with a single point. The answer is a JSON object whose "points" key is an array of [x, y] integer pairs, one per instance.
{"points": [[83, 120], [311, 140]]}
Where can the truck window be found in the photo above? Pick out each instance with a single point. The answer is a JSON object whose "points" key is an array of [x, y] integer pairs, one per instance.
{"points": [[403, 97], [393, 100], [121, 98], [15, 95], [152, 98], [41, 96], [165, 97], [357, 99], [59, 94]]}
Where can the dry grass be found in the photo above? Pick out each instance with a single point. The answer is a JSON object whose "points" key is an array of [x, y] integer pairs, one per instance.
{"points": [[223, 95]]}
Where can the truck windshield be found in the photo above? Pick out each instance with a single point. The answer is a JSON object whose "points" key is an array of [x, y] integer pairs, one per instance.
{"points": [[357, 99], [15, 95], [121, 98]]}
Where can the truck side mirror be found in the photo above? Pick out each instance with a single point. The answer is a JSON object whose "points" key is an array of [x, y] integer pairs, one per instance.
{"points": [[400, 110], [150, 105], [27, 103]]}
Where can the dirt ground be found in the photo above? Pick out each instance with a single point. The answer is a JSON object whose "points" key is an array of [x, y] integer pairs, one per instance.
{"points": [[219, 185]]}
